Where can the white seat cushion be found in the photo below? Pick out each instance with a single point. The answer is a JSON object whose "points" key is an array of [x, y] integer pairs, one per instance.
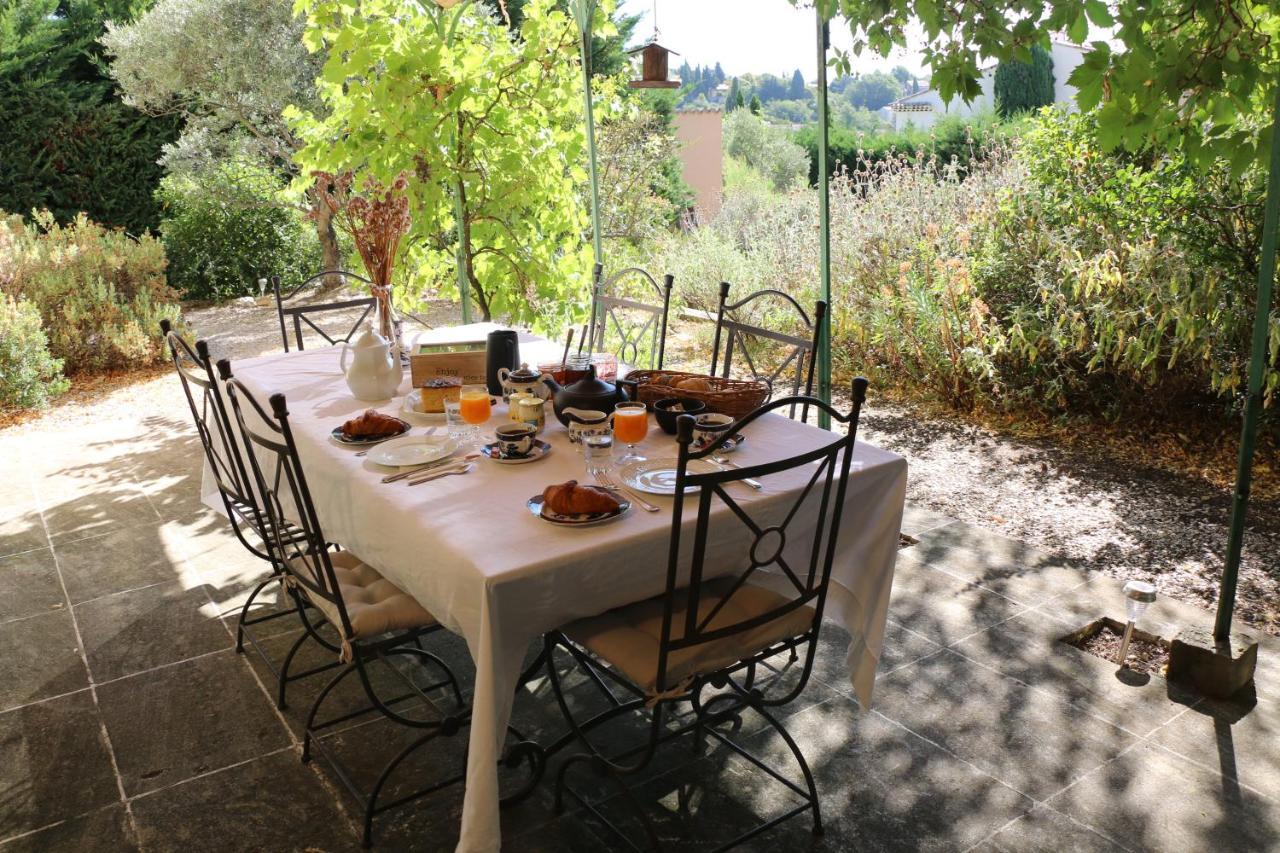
{"points": [[374, 604], [628, 638]]}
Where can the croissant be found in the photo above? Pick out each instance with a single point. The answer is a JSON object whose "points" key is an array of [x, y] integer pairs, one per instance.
{"points": [[571, 499], [370, 423]]}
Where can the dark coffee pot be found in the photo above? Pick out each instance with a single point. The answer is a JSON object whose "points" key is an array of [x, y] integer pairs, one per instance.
{"points": [[502, 349]]}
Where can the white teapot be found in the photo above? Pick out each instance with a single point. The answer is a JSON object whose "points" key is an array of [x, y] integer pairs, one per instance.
{"points": [[375, 371]]}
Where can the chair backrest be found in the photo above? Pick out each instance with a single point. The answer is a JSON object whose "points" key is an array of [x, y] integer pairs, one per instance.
{"points": [[805, 581], [280, 480], [640, 328], [296, 315], [798, 352], [213, 424]]}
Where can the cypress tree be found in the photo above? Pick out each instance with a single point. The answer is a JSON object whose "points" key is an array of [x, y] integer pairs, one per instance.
{"points": [[755, 104], [1024, 86], [734, 99], [797, 90]]}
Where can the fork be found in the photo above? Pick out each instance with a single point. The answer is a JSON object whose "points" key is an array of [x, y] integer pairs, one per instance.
{"points": [[608, 482], [436, 475], [733, 466]]}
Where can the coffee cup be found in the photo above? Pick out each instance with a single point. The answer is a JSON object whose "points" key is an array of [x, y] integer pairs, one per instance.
{"points": [[710, 427], [584, 422], [515, 440]]}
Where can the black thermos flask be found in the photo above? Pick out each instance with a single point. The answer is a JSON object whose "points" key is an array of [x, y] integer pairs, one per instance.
{"points": [[501, 350]]}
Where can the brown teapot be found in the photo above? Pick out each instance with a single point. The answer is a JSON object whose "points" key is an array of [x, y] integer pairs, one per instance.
{"points": [[590, 393]]}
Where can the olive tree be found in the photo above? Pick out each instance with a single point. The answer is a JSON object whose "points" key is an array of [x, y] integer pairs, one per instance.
{"points": [[228, 68]]}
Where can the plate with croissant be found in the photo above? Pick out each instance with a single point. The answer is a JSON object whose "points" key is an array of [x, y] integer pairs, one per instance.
{"points": [[369, 426], [572, 504]]}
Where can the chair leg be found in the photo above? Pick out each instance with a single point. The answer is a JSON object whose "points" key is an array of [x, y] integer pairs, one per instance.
{"points": [[282, 681], [244, 610], [315, 708], [804, 765]]}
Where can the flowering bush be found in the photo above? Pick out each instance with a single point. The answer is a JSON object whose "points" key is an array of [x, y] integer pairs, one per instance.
{"points": [[101, 293]]}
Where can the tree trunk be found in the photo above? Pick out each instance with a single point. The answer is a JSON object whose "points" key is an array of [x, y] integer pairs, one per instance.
{"points": [[330, 253]]}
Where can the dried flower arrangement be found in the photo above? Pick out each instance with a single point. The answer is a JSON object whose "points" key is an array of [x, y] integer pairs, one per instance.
{"points": [[376, 217]]}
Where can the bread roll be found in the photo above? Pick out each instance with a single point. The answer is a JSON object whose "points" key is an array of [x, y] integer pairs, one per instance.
{"points": [[693, 383], [572, 499]]}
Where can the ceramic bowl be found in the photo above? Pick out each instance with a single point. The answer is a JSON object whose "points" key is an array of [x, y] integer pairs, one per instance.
{"points": [[666, 411]]}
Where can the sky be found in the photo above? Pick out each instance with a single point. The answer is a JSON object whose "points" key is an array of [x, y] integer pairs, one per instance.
{"points": [[747, 36]]}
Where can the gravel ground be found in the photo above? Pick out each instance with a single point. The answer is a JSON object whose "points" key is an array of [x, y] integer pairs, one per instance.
{"points": [[1109, 514], [1125, 520]]}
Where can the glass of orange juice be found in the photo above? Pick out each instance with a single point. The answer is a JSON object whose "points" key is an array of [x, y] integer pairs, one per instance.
{"points": [[630, 426], [475, 406]]}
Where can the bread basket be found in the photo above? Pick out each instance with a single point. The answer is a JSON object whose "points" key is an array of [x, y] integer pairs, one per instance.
{"points": [[734, 397]]}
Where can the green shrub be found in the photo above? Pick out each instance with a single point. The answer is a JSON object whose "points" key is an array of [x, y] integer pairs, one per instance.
{"points": [[765, 148], [101, 293], [952, 143], [29, 376], [220, 243]]}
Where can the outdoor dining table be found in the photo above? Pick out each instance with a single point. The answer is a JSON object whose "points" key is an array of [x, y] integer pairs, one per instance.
{"points": [[468, 549]]}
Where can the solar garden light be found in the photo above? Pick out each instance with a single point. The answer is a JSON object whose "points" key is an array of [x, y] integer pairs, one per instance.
{"points": [[262, 288], [1137, 596]]}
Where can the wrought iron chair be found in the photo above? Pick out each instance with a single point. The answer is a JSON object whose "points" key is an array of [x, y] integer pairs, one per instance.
{"points": [[375, 620], [641, 328], [299, 314], [248, 521], [799, 351], [717, 629]]}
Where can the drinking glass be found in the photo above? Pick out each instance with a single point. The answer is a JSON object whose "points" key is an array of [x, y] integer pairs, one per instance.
{"points": [[597, 450], [475, 406], [631, 425], [458, 428]]}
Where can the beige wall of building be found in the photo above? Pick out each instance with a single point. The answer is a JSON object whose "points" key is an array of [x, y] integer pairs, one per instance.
{"points": [[700, 133]]}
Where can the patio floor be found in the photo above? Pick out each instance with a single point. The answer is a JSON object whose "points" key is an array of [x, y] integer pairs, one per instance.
{"points": [[128, 721]]}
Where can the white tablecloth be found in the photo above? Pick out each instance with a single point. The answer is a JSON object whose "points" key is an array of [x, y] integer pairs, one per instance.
{"points": [[468, 549]]}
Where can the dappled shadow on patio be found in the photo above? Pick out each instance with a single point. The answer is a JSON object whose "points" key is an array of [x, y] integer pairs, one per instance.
{"points": [[120, 599]]}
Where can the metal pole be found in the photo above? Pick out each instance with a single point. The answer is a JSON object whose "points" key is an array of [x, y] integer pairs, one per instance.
{"points": [[1257, 369], [824, 222], [584, 11]]}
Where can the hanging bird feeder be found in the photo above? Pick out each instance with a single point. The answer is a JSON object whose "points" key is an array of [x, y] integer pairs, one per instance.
{"points": [[653, 61], [653, 67]]}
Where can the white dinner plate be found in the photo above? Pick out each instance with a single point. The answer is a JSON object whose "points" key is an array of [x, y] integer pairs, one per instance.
{"points": [[413, 450], [407, 409], [658, 476], [536, 507]]}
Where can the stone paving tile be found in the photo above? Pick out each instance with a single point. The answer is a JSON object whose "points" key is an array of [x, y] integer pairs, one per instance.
{"points": [[1239, 740], [29, 585], [1029, 738], [942, 607], [1150, 799], [144, 628], [54, 764], [41, 659], [881, 788], [21, 530], [271, 803], [1103, 596], [104, 830], [1003, 565], [96, 513], [126, 558], [1027, 648], [184, 720], [1042, 830]]}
